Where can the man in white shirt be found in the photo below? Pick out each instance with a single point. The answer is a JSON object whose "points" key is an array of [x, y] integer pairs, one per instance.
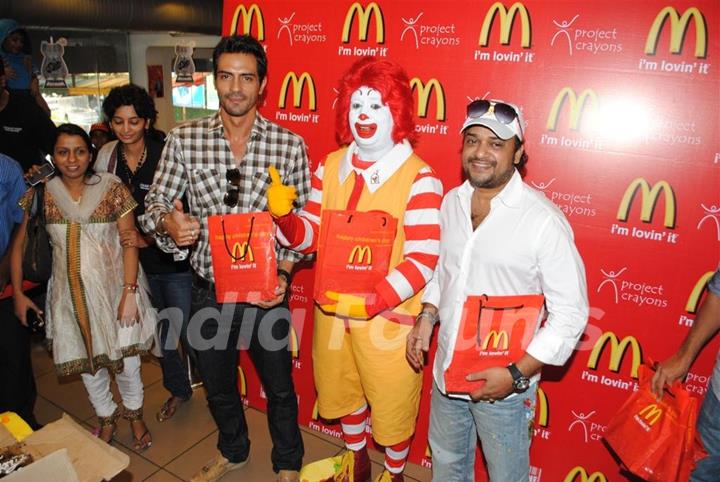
{"points": [[499, 237]]}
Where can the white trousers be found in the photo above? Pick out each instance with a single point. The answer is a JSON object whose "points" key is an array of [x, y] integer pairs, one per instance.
{"points": [[129, 384]]}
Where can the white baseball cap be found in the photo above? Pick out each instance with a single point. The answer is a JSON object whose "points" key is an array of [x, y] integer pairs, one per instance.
{"points": [[503, 118]]}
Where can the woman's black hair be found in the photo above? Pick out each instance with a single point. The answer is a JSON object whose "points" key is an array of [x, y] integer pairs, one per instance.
{"points": [[133, 95], [75, 130]]}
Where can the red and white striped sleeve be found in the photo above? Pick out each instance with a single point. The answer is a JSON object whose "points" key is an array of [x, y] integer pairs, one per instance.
{"points": [[299, 231], [422, 243]]}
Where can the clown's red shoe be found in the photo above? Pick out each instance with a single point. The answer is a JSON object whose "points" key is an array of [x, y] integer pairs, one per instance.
{"points": [[354, 467]]}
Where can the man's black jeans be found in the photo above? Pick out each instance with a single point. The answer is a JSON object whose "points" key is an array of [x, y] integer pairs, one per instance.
{"points": [[214, 332]]}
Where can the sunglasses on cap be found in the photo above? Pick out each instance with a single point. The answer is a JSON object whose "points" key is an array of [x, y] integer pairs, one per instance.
{"points": [[504, 113], [232, 196]]}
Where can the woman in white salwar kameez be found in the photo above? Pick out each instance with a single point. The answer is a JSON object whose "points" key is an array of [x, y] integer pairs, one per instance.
{"points": [[99, 318]]}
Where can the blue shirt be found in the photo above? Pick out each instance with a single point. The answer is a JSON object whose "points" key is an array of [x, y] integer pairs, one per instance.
{"points": [[12, 187]]}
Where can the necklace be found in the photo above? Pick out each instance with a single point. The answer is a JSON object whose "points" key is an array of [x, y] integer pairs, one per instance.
{"points": [[129, 172]]}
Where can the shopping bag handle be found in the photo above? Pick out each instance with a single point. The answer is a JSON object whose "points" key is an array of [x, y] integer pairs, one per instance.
{"points": [[483, 304], [247, 244], [483, 300], [384, 219]]}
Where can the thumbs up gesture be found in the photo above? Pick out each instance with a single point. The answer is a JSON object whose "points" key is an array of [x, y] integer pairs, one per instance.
{"points": [[182, 227], [280, 197]]}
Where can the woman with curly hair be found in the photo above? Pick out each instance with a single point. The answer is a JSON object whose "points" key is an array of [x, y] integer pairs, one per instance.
{"points": [[130, 112]]}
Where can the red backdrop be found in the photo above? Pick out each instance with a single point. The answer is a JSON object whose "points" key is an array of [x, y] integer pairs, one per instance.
{"points": [[621, 103]]}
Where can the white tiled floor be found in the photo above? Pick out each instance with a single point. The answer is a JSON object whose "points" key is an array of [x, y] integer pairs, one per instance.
{"points": [[183, 444]]}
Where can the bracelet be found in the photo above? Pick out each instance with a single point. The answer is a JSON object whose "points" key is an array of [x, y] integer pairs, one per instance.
{"points": [[434, 317], [285, 274], [132, 287]]}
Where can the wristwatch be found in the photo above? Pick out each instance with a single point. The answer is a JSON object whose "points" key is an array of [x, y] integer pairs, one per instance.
{"points": [[520, 381], [160, 225]]}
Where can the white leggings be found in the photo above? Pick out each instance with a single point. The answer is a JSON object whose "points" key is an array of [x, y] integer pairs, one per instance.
{"points": [[129, 384]]}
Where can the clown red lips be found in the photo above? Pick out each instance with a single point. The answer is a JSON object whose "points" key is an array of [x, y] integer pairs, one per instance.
{"points": [[366, 131]]}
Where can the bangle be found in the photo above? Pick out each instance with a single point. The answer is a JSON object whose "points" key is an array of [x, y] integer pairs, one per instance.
{"points": [[433, 317], [132, 287], [285, 274]]}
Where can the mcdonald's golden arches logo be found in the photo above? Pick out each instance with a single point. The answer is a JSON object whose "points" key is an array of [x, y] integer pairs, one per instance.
{"points": [[507, 20], [423, 94], [497, 338], [651, 414], [360, 253], [542, 408], [363, 15], [577, 104], [247, 15], [678, 30], [649, 197], [617, 352], [242, 382], [294, 343], [579, 474], [243, 253], [694, 298], [300, 85]]}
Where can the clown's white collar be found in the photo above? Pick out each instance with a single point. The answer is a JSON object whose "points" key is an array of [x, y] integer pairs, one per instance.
{"points": [[376, 175]]}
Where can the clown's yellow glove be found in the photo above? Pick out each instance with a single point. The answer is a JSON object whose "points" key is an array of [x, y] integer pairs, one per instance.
{"points": [[280, 197], [353, 306]]}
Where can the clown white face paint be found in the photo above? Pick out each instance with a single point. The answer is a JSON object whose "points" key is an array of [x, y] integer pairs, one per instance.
{"points": [[371, 124]]}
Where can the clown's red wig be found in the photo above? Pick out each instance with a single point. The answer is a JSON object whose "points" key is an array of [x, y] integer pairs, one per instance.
{"points": [[392, 82]]}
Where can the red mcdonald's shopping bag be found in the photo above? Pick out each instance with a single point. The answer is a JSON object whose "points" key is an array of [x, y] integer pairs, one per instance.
{"points": [[242, 247], [354, 252], [656, 439], [494, 331]]}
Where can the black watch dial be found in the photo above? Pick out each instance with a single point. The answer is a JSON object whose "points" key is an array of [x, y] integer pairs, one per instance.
{"points": [[521, 384]]}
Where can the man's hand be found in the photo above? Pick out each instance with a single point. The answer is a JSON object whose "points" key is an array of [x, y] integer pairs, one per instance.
{"points": [[418, 342], [672, 369], [280, 292], [131, 238], [346, 305], [498, 384], [181, 227], [280, 197]]}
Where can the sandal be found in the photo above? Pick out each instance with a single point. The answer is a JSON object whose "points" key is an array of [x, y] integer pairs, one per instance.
{"points": [[105, 424], [143, 441], [168, 409]]}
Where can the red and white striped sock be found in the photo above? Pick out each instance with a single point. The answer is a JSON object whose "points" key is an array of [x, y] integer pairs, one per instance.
{"points": [[396, 456], [353, 428]]}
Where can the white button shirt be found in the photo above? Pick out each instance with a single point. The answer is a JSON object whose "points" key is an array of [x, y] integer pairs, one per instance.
{"points": [[524, 246]]}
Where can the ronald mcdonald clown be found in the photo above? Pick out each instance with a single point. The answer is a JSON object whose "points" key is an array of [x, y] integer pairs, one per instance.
{"points": [[359, 341]]}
